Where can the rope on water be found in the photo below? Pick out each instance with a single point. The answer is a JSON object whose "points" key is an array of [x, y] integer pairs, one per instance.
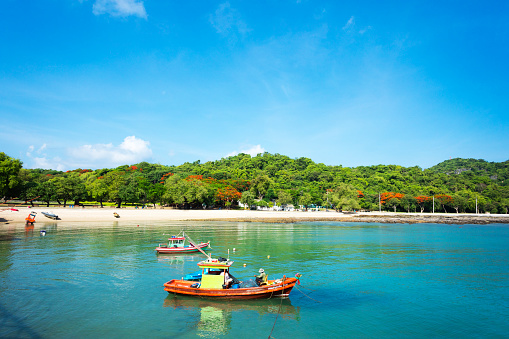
{"points": [[277, 315], [307, 288], [307, 295]]}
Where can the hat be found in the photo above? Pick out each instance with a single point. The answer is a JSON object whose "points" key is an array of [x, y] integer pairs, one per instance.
{"points": [[261, 270]]}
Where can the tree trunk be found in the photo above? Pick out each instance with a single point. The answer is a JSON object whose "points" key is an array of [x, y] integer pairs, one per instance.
{"points": [[119, 203], [47, 203], [58, 201], [456, 208], [422, 209]]}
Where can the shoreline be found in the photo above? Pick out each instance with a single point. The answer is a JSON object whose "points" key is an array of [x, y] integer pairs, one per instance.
{"points": [[167, 214]]}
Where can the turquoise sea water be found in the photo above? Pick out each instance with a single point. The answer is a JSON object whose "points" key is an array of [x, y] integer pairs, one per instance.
{"points": [[359, 281]]}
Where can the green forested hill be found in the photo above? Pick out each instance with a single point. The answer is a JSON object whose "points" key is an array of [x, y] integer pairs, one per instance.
{"points": [[454, 185], [496, 171]]}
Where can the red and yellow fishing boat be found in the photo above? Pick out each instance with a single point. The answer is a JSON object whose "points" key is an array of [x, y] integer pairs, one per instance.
{"points": [[217, 282], [177, 244]]}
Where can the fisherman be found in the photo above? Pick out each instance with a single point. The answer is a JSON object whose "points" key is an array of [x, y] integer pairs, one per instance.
{"points": [[261, 279], [228, 281]]}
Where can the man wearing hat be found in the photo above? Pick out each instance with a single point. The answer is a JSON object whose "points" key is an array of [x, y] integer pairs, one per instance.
{"points": [[261, 279]]}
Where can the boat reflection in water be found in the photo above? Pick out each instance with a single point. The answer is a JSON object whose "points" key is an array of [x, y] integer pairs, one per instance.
{"points": [[216, 315], [173, 259]]}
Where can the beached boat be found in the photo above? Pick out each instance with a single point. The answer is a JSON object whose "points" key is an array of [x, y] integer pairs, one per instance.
{"points": [[50, 215], [213, 284], [177, 244], [31, 218]]}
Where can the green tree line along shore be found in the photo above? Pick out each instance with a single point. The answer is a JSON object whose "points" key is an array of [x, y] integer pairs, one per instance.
{"points": [[456, 185]]}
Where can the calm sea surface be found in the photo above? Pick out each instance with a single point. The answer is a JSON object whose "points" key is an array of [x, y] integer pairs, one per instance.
{"points": [[359, 280]]}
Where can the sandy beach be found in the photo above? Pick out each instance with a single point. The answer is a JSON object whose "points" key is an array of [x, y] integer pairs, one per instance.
{"points": [[162, 214]]}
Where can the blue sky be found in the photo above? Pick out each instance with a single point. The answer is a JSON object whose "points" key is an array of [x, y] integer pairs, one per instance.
{"points": [[101, 83]]}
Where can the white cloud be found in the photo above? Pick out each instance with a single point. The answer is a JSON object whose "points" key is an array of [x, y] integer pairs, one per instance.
{"points": [[252, 151], [131, 150], [30, 150], [227, 21], [44, 163], [349, 24], [122, 8], [364, 30]]}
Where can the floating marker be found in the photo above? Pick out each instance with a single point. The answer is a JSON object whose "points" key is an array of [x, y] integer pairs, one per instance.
{"points": [[245, 265], [268, 257]]}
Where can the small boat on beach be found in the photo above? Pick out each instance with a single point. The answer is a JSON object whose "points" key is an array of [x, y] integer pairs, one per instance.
{"points": [[177, 244], [50, 215], [31, 218], [216, 282]]}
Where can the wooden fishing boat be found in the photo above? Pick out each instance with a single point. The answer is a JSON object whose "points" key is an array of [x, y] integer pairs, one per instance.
{"points": [[213, 284], [177, 244], [50, 215]]}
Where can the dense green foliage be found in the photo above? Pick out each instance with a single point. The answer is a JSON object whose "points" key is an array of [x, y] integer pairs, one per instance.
{"points": [[453, 185]]}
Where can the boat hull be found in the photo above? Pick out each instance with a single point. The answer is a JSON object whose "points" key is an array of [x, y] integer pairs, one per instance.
{"points": [[281, 289], [50, 215], [189, 249]]}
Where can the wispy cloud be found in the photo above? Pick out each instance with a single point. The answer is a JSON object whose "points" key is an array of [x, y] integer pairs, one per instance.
{"points": [[121, 8], [252, 151], [349, 24], [364, 30], [227, 21], [31, 150]]}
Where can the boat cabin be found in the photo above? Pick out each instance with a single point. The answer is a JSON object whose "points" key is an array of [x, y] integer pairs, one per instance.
{"points": [[213, 272], [176, 242]]}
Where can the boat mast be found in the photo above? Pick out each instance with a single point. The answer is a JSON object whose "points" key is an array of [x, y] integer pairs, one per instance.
{"points": [[191, 241]]}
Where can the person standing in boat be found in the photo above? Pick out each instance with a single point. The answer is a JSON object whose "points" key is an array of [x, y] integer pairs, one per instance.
{"points": [[261, 279]]}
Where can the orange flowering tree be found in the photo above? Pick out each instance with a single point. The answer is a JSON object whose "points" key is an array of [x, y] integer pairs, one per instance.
{"points": [[227, 195], [391, 199], [164, 177], [422, 200], [443, 200]]}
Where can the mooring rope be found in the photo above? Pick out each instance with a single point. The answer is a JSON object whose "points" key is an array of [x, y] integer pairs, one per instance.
{"points": [[307, 288], [277, 315], [307, 295]]}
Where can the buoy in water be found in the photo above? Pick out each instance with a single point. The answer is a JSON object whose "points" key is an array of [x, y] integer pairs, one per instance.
{"points": [[268, 257], [245, 265], [43, 232], [234, 249]]}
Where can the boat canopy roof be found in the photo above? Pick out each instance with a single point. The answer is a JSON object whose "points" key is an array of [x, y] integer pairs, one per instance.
{"points": [[215, 263], [176, 238]]}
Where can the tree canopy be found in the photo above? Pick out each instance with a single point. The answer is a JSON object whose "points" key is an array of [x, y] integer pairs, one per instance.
{"points": [[452, 185]]}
